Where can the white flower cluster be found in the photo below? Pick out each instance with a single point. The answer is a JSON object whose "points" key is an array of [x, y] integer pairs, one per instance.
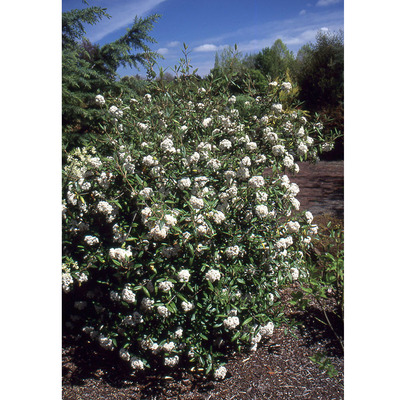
{"points": [[232, 252], [231, 322], [213, 275], [165, 286], [267, 330], [183, 275], [187, 306], [256, 182], [121, 255], [128, 295], [91, 240], [220, 373], [171, 361]]}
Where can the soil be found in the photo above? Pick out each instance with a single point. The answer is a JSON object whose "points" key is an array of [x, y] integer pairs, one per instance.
{"points": [[280, 369]]}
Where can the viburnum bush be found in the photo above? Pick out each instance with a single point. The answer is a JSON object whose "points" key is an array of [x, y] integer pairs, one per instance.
{"points": [[180, 222]]}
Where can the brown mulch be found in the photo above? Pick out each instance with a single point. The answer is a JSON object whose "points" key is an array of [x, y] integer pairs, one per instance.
{"points": [[280, 369]]}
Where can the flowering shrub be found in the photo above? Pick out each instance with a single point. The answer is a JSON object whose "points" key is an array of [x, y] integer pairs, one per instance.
{"points": [[181, 223]]}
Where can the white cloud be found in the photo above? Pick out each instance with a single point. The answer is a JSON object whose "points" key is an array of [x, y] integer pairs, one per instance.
{"points": [[163, 51], [122, 14], [173, 44], [324, 3], [208, 47], [302, 12]]}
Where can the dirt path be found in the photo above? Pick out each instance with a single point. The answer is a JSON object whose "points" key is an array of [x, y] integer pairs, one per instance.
{"points": [[321, 187]]}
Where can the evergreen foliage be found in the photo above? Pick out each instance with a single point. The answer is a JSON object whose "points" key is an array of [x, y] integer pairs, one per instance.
{"points": [[89, 68]]}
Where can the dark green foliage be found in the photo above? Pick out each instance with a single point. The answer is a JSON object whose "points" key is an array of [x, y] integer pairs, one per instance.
{"points": [[89, 69], [275, 61], [320, 72], [320, 76]]}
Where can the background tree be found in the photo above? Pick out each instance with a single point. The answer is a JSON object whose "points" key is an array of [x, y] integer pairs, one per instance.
{"points": [[320, 75], [88, 69], [320, 71], [275, 61]]}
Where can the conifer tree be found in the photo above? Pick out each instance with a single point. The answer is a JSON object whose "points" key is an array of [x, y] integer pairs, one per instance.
{"points": [[88, 69]]}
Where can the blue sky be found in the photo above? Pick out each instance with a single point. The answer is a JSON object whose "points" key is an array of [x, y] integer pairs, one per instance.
{"points": [[208, 26]]}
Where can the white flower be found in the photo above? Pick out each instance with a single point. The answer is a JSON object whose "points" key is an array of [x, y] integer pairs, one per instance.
{"points": [[302, 149], [231, 322], [288, 161], [262, 211], [196, 203], [149, 161], [99, 99], [293, 189], [171, 361], [251, 146], [121, 255], [218, 217], [206, 122], [167, 146], [184, 183], [327, 147], [168, 346], [170, 220], [91, 240], [165, 286], [300, 132], [183, 129], [245, 162], [106, 342], [116, 112], [274, 83], [225, 144], [313, 230], [220, 373], [277, 107], [184, 275], [157, 233], [178, 333], [213, 275], [295, 203], [163, 311], [232, 252], [262, 197], [194, 158], [214, 164], [187, 306], [295, 273], [267, 330], [292, 227], [124, 354], [146, 192], [104, 207], [146, 304], [147, 98], [232, 100], [135, 362], [286, 86], [272, 137], [278, 150], [256, 182], [309, 217], [128, 295]]}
